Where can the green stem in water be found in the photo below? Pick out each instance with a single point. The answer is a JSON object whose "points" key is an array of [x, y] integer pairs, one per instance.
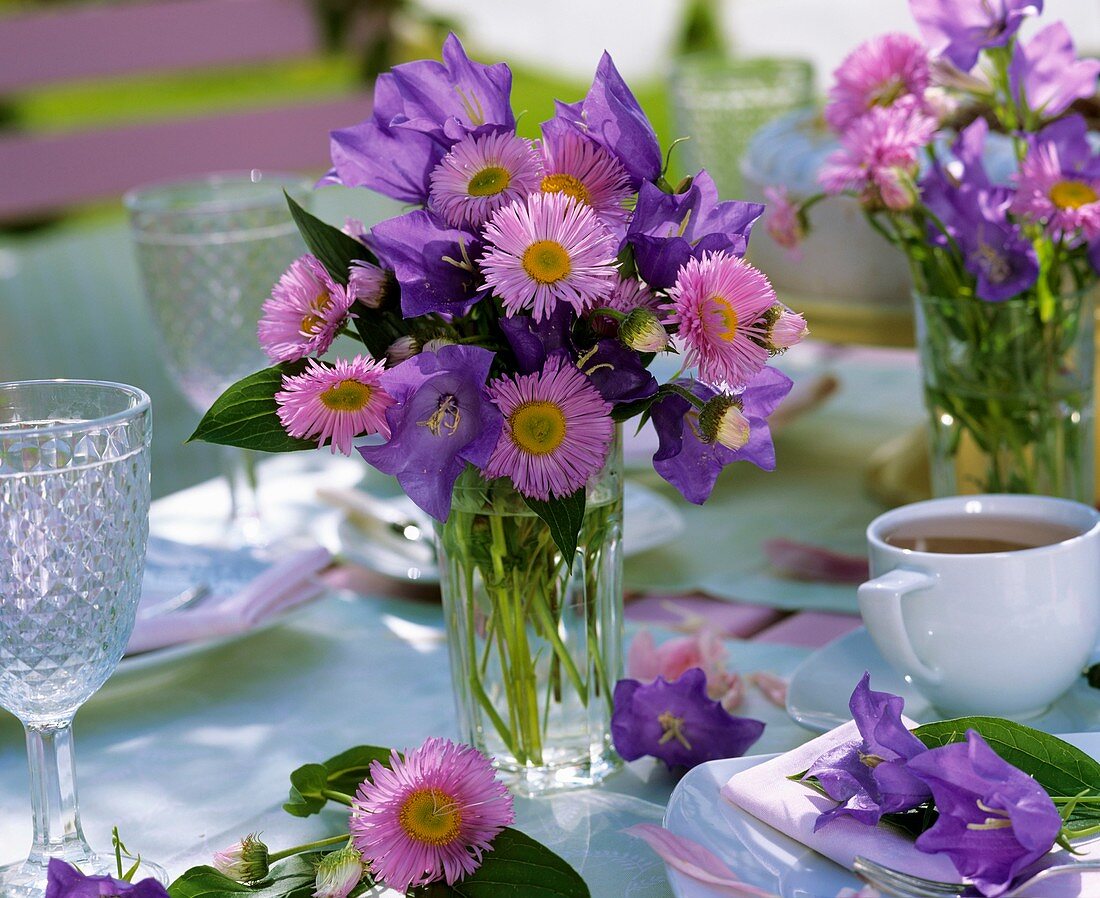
{"points": [[309, 846]]}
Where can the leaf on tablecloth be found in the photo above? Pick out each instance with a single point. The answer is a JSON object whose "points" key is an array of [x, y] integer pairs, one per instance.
{"points": [[517, 867]]}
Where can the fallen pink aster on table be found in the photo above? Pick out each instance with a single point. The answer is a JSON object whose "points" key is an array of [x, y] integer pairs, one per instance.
{"points": [[431, 815], [306, 310], [547, 250], [336, 403], [556, 432], [719, 303], [645, 661]]}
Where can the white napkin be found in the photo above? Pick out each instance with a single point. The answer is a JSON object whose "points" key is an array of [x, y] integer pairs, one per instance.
{"points": [[277, 588]]}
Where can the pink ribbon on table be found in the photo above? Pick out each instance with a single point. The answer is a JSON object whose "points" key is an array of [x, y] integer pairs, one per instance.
{"points": [[279, 588]]}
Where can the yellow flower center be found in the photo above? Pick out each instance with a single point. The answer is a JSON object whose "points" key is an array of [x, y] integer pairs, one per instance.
{"points": [[567, 184], [430, 816], [314, 320], [538, 428], [726, 316], [489, 181], [673, 727], [546, 261], [347, 396], [1072, 194]]}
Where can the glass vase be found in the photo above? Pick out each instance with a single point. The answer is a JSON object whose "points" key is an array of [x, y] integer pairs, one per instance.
{"points": [[1008, 387], [535, 641]]}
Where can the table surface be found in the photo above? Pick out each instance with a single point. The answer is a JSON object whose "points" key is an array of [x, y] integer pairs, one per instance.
{"points": [[186, 754]]}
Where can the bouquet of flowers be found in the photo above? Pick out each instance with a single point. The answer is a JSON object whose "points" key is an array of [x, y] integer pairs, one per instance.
{"points": [[972, 153], [509, 321]]}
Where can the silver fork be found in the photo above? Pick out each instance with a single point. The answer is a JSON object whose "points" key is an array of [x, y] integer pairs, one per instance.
{"points": [[905, 885]]}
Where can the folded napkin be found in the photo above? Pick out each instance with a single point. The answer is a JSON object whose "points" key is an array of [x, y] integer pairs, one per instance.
{"points": [[233, 607], [792, 808]]}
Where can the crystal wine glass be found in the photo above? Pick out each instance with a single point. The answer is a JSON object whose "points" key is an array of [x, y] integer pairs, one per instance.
{"points": [[209, 250], [74, 518]]}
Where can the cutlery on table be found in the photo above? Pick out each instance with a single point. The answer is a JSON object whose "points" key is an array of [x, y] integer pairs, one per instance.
{"points": [[905, 885]]}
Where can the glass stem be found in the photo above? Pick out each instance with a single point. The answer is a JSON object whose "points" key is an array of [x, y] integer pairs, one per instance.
{"points": [[57, 830], [244, 514]]}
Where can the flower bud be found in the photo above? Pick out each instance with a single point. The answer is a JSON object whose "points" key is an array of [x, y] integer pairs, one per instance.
{"points": [[785, 328], [642, 331], [367, 284], [402, 349], [722, 421], [245, 861], [338, 873], [437, 343]]}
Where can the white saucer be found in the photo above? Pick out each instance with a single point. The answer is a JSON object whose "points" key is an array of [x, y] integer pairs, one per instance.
{"points": [[817, 697], [759, 855], [649, 520]]}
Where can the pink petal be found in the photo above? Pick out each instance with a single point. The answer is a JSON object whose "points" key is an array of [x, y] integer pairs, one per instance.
{"points": [[734, 694], [801, 561], [774, 688], [695, 861], [678, 655], [642, 662]]}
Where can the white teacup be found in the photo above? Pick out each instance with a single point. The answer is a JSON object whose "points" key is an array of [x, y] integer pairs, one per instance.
{"points": [[992, 632]]}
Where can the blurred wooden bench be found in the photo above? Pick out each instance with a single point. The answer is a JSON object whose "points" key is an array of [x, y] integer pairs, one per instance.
{"points": [[43, 172]]}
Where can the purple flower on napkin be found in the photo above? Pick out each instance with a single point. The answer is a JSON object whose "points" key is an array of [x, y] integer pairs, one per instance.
{"points": [[960, 29], [668, 229], [440, 420], [693, 466], [677, 722], [994, 820], [65, 881], [870, 776]]}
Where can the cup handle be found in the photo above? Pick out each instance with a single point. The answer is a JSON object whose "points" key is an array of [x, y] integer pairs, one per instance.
{"points": [[880, 606]]}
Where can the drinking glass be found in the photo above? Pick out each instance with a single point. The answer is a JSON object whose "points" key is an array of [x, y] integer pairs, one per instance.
{"points": [[74, 518], [209, 250]]}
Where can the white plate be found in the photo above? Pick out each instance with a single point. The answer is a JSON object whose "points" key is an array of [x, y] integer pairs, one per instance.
{"points": [[819, 690], [649, 520], [758, 854]]}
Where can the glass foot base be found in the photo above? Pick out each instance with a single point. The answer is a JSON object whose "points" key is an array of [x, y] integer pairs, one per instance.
{"points": [[27, 879], [530, 782]]}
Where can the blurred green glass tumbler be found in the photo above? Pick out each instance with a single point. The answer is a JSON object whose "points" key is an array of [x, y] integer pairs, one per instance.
{"points": [[74, 519]]}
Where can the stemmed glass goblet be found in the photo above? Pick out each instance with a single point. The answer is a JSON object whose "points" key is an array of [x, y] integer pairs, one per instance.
{"points": [[74, 519], [209, 250]]}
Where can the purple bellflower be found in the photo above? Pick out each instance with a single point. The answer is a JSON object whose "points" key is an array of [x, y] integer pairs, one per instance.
{"points": [[1047, 74], [420, 110], [994, 820], [668, 229], [65, 881], [440, 420], [869, 776], [692, 465], [433, 263], [960, 29], [677, 722]]}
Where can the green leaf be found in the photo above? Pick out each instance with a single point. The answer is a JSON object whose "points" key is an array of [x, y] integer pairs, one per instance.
{"points": [[245, 414], [517, 867], [294, 877], [1057, 766], [624, 411], [332, 247], [340, 773], [564, 517]]}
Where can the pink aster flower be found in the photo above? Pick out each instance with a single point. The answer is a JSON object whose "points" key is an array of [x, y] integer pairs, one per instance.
{"points": [[480, 175], [885, 71], [546, 250], [878, 158], [557, 430], [720, 302], [430, 815], [783, 220], [1049, 190], [335, 404], [633, 293], [306, 310], [645, 661], [367, 284], [582, 169]]}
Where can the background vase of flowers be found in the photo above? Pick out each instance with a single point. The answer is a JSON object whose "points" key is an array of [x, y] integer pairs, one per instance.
{"points": [[509, 321], [970, 152]]}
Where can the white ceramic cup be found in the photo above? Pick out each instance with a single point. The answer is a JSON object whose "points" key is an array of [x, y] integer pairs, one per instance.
{"points": [[997, 633]]}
